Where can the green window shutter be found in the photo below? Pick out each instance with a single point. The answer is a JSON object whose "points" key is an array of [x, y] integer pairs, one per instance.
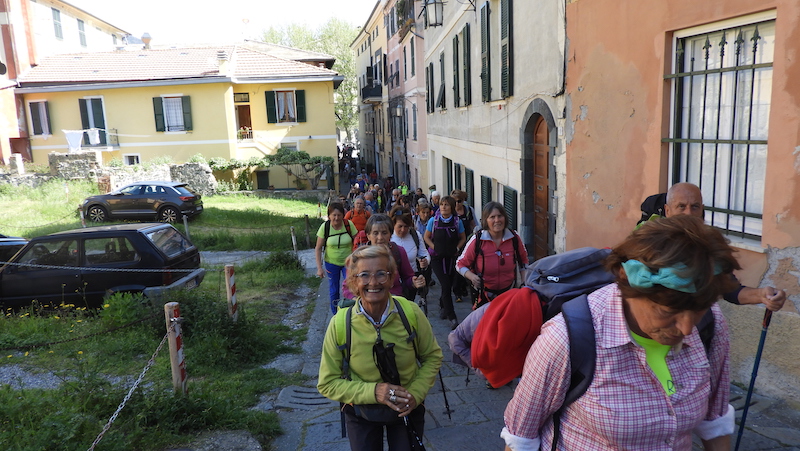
{"points": [[272, 109], [448, 167], [506, 50], [300, 103], [98, 120], [467, 61], [486, 77], [486, 190], [84, 113], [158, 112], [36, 120], [413, 58], [456, 70], [469, 185], [47, 118], [428, 93], [442, 87], [457, 176], [510, 204], [186, 106]]}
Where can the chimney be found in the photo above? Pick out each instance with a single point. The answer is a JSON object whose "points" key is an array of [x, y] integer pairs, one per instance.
{"points": [[146, 38], [222, 60]]}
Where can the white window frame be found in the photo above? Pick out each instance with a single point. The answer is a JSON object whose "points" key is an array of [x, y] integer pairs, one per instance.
{"points": [[279, 113], [747, 228], [176, 113], [126, 157], [58, 27], [44, 123], [82, 32]]}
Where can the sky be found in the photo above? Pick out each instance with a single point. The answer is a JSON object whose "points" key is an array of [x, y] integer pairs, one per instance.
{"points": [[200, 22]]}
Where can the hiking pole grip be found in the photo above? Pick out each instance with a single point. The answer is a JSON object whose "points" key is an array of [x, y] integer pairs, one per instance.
{"points": [[764, 325]]}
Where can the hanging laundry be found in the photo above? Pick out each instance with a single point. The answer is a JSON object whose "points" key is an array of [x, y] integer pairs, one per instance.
{"points": [[94, 136], [74, 138]]}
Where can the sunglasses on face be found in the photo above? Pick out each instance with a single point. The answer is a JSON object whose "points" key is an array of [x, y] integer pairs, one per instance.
{"points": [[366, 277]]}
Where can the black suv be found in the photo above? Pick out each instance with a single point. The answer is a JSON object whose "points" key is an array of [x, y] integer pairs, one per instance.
{"points": [[163, 201], [81, 267]]}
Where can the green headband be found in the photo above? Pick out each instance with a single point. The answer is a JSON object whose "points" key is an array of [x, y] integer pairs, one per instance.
{"points": [[641, 276]]}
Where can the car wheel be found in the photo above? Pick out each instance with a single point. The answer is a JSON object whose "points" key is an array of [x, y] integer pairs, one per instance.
{"points": [[97, 213], [169, 214]]}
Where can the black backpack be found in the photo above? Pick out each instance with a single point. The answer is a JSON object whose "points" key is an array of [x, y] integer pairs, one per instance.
{"points": [[653, 205]]}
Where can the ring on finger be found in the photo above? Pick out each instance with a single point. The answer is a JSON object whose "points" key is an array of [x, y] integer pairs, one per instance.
{"points": [[391, 392], [393, 398]]}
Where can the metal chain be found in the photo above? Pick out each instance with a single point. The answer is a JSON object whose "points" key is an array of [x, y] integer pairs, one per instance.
{"points": [[130, 392]]}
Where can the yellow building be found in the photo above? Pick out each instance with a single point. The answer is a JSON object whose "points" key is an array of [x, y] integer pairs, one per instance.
{"points": [[230, 101]]}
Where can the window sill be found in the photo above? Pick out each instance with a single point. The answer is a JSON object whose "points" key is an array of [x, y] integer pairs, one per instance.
{"points": [[747, 244], [286, 124], [175, 132]]}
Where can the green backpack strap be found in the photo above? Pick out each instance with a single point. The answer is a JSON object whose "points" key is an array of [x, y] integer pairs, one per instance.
{"points": [[343, 319]]}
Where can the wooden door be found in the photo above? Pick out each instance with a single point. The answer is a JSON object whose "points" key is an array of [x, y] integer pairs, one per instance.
{"points": [[541, 189]]}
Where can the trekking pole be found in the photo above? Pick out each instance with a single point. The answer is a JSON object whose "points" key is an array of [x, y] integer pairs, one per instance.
{"points": [[444, 393], [764, 326]]}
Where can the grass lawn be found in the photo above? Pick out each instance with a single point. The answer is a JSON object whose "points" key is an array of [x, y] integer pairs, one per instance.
{"points": [[98, 355]]}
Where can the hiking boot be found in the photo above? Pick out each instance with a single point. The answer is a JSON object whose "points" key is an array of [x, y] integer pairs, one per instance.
{"points": [[442, 314], [489, 386], [453, 324], [458, 299]]}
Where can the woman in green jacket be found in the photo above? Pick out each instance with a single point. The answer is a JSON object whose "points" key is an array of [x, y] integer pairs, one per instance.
{"points": [[377, 324]]}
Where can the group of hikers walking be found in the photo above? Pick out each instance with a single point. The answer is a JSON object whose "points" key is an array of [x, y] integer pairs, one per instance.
{"points": [[631, 353]]}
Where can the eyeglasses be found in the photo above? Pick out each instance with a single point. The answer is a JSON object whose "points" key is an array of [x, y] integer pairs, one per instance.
{"points": [[366, 277], [502, 259]]}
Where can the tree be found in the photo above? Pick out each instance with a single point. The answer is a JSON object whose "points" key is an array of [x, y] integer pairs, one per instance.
{"points": [[301, 165], [332, 38]]}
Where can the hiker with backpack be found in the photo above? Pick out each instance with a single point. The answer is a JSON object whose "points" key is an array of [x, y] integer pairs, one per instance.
{"points": [[654, 378], [379, 233], [492, 258], [687, 199], [379, 358], [359, 214], [466, 215], [334, 244], [444, 235], [410, 240]]}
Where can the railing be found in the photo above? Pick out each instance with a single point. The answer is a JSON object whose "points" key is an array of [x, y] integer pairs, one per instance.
{"points": [[368, 92]]}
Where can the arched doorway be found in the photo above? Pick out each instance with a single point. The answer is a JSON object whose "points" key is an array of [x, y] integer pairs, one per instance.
{"points": [[538, 180], [541, 190]]}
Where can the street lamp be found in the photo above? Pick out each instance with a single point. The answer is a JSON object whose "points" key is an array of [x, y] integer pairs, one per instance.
{"points": [[434, 12]]}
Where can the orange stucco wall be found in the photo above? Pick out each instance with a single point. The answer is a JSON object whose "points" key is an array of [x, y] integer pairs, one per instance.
{"points": [[619, 110]]}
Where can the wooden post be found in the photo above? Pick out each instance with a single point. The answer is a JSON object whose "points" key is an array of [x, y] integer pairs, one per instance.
{"points": [[186, 226], [308, 232], [294, 241], [172, 315], [230, 285]]}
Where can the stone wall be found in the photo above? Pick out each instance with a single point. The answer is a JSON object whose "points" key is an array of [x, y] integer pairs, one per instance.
{"points": [[88, 164], [317, 195]]}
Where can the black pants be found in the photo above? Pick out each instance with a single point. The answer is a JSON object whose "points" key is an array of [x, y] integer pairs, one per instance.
{"points": [[445, 270], [368, 436]]}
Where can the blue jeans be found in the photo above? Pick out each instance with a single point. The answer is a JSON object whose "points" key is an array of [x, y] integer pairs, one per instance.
{"points": [[336, 274]]}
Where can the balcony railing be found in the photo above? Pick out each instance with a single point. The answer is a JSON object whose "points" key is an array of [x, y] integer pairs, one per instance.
{"points": [[371, 93]]}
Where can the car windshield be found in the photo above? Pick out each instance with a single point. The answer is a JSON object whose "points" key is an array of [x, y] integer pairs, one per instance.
{"points": [[169, 241]]}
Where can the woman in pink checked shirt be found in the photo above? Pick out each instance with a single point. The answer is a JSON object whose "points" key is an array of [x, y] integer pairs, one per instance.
{"points": [[655, 383]]}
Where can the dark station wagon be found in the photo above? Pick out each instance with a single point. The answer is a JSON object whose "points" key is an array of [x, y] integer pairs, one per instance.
{"points": [[83, 266]]}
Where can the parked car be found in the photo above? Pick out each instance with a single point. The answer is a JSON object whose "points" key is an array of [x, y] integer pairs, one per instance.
{"points": [[9, 245], [164, 201], [83, 266]]}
